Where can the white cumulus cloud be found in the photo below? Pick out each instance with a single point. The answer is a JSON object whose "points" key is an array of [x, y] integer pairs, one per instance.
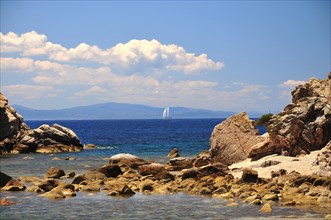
{"points": [[142, 54], [291, 83]]}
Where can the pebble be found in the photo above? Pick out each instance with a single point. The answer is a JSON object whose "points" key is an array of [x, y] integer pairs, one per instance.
{"points": [[266, 208], [28, 158], [233, 204], [70, 158]]}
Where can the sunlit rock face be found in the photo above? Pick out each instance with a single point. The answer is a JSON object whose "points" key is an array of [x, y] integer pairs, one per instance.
{"points": [[304, 125], [17, 137]]}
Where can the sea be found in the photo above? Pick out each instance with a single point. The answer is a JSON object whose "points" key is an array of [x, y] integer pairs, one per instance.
{"points": [[150, 139]]}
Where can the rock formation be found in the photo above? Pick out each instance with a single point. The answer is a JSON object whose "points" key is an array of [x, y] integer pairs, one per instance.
{"points": [[216, 180], [304, 125], [173, 153], [231, 140], [18, 137]]}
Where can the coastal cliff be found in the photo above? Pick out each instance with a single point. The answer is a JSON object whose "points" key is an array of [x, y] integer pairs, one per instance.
{"points": [[17, 137], [303, 126]]}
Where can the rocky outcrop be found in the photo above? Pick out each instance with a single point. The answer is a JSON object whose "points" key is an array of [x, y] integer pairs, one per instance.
{"points": [[11, 125], [304, 125], [231, 140], [17, 137], [216, 180], [10, 119]]}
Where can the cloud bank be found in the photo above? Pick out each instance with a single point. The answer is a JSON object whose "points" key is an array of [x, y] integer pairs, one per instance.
{"points": [[139, 71], [133, 54]]}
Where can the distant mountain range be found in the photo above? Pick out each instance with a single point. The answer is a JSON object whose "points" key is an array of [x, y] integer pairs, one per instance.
{"points": [[116, 111]]}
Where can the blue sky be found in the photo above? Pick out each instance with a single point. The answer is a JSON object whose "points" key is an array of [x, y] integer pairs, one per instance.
{"points": [[219, 55]]}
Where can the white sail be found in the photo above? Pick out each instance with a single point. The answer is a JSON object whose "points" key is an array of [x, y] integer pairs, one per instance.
{"points": [[166, 113]]}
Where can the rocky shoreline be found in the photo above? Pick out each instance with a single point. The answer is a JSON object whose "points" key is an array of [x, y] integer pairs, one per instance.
{"points": [[290, 165], [17, 137], [126, 175]]}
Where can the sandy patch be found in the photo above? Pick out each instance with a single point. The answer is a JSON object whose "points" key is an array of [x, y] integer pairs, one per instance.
{"points": [[302, 164]]}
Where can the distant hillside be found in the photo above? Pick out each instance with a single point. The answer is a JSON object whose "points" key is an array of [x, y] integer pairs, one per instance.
{"points": [[116, 111]]}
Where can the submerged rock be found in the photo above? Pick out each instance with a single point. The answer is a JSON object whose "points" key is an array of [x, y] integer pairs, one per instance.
{"points": [[266, 208], [54, 172], [6, 202], [89, 147], [119, 189], [61, 191], [14, 185]]}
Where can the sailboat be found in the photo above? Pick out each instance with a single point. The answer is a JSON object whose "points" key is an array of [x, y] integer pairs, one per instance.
{"points": [[166, 113]]}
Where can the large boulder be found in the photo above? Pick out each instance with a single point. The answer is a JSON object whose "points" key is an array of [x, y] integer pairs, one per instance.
{"points": [[304, 125], [56, 134], [17, 137], [231, 140]]}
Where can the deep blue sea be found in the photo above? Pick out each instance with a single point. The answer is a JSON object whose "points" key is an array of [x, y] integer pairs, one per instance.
{"points": [[142, 137], [149, 139]]}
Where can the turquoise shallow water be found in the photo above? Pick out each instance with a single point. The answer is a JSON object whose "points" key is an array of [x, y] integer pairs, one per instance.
{"points": [[139, 206], [150, 139]]}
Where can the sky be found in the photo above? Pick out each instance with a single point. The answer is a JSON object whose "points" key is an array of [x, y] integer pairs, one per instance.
{"points": [[217, 55]]}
